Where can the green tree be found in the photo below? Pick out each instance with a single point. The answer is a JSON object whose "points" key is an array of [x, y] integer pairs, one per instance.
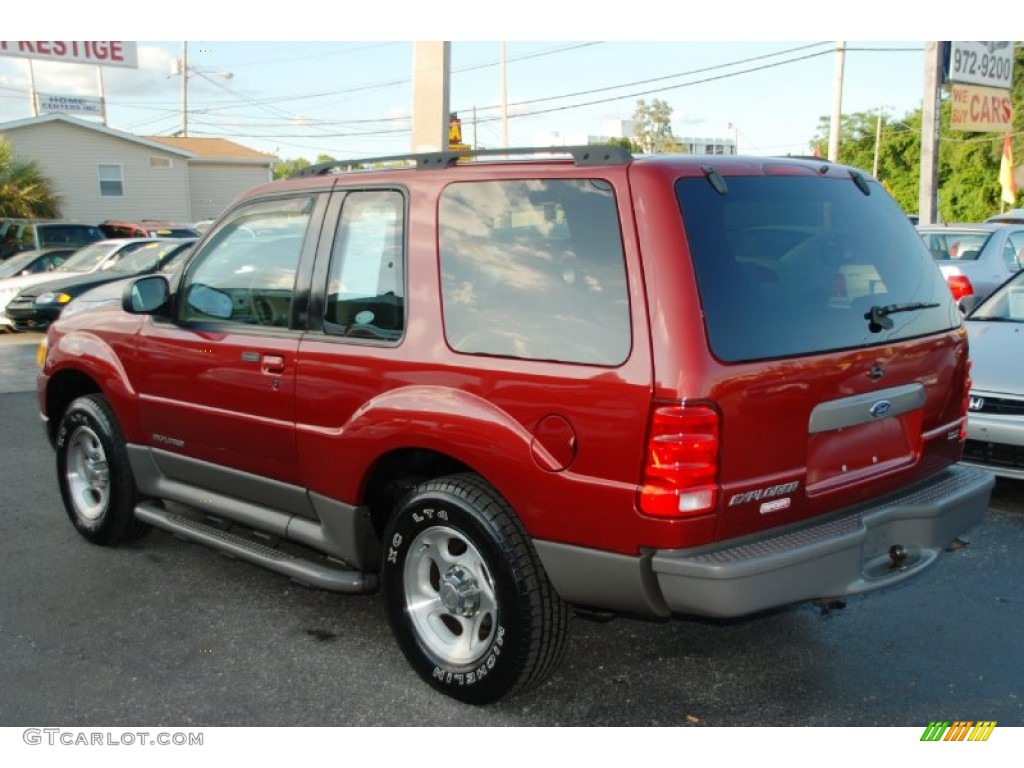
{"points": [[625, 142], [285, 168], [968, 162], [653, 127], [25, 192]]}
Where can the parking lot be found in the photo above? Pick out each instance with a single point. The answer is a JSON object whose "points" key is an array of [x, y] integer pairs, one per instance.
{"points": [[164, 632]]}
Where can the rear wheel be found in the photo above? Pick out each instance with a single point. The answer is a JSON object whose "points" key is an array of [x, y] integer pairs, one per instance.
{"points": [[467, 598], [95, 479]]}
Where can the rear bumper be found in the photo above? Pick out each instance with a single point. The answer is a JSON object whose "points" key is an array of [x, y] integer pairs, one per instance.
{"points": [[843, 556], [847, 554]]}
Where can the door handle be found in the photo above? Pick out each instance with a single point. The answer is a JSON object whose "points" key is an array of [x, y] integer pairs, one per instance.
{"points": [[272, 364]]}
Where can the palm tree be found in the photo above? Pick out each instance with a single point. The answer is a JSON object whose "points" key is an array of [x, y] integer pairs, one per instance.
{"points": [[25, 192]]}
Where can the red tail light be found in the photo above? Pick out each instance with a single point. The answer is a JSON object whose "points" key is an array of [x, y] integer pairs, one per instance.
{"points": [[681, 470], [960, 286]]}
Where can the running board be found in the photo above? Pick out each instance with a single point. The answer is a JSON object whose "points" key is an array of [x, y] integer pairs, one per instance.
{"points": [[304, 571]]}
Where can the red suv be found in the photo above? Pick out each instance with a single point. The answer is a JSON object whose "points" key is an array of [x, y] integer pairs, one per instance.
{"points": [[499, 387]]}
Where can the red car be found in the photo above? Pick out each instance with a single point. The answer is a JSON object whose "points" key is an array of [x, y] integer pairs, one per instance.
{"points": [[499, 387]]}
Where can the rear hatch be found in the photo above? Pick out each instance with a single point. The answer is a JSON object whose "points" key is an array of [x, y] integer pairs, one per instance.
{"points": [[839, 359]]}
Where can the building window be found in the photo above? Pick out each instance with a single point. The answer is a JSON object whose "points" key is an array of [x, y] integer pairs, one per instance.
{"points": [[160, 162], [111, 181]]}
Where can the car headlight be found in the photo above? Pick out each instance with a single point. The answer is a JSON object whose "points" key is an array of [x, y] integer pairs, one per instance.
{"points": [[53, 297]]}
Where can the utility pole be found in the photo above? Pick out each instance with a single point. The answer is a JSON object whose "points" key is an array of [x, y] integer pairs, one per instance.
{"points": [[927, 204], [184, 89], [878, 142], [837, 103], [504, 100]]}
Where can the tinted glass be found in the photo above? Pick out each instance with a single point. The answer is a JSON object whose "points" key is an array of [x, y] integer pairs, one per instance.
{"points": [[246, 273], [365, 295], [534, 269], [843, 253], [68, 234]]}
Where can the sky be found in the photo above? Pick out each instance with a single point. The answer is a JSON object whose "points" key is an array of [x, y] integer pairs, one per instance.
{"points": [[576, 75]]}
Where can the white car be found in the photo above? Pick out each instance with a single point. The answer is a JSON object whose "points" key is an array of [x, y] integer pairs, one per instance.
{"points": [[91, 258]]}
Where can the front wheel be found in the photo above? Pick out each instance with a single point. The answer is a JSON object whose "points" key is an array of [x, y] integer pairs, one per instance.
{"points": [[95, 479], [467, 598]]}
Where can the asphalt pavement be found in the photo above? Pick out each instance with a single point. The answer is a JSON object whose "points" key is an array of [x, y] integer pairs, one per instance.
{"points": [[167, 633]]}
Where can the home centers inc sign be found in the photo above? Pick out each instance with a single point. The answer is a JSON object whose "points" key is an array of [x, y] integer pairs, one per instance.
{"points": [[109, 53]]}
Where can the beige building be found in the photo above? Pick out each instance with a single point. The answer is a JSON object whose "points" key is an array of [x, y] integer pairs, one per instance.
{"points": [[102, 173]]}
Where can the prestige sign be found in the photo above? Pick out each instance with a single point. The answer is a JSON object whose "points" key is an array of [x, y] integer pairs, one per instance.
{"points": [[109, 53], [976, 108]]}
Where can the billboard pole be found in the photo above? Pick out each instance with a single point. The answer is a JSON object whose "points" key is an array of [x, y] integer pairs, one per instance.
{"points": [[33, 97]]}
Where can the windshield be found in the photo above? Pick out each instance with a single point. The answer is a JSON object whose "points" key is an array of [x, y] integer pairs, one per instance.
{"points": [[1006, 304], [145, 258], [15, 264], [793, 265], [91, 257]]}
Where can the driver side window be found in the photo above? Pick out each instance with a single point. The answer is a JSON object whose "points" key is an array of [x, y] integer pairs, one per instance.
{"points": [[246, 272]]}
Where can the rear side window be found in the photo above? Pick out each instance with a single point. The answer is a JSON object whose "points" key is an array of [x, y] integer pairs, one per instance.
{"points": [[534, 269], [790, 265], [365, 295]]}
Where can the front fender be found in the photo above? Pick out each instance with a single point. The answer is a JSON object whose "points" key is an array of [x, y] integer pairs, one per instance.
{"points": [[72, 360]]}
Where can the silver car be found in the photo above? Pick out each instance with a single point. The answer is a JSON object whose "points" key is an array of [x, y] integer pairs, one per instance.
{"points": [[995, 416], [975, 258]]}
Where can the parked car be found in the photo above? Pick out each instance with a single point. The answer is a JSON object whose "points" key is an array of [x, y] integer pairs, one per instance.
{"points": [[501, 384], [91, 258], [35, 307], [995, 420], [147, 228], [975, 258], [1012, 216], [34, 234], [34, 262]]}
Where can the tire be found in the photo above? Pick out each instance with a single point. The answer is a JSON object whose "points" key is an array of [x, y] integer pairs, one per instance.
{"points": [[467, 598], [95, 478]]}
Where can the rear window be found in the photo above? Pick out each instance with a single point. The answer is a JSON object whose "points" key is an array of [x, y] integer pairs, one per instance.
{"points": [[791, 265], [953, 245], [67, 234]]}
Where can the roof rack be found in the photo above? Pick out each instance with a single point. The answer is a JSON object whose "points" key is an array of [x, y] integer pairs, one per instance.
{"points": [[591, 154]]}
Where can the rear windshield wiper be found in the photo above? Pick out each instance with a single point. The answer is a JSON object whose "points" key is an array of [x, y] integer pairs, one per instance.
{"points": [[878, 317]]}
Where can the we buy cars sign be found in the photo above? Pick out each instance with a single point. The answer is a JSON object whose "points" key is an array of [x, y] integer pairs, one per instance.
{"points": [[109, 53]]}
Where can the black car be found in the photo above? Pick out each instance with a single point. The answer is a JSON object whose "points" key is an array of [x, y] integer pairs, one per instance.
{"points": [[39, 305]]}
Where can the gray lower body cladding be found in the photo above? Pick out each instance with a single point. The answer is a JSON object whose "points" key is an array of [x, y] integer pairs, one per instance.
{"points": [[860, 550]]}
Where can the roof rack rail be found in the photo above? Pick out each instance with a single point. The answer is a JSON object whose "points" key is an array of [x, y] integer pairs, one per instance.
{"points": [[591, 154]]}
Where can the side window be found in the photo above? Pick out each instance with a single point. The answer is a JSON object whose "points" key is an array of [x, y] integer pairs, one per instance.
{"points": [[246, 272], [534, 269], [1013, 252], [365, 291]]}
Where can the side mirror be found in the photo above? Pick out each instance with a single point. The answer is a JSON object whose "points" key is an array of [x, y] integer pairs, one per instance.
{"points": [[146, 296], [968, 303]]}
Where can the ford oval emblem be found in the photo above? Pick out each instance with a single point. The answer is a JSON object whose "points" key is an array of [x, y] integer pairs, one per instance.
{"points": [[880, 408]]}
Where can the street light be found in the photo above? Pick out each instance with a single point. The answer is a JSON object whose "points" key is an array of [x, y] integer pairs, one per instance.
{"points": [[186, 71]]}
